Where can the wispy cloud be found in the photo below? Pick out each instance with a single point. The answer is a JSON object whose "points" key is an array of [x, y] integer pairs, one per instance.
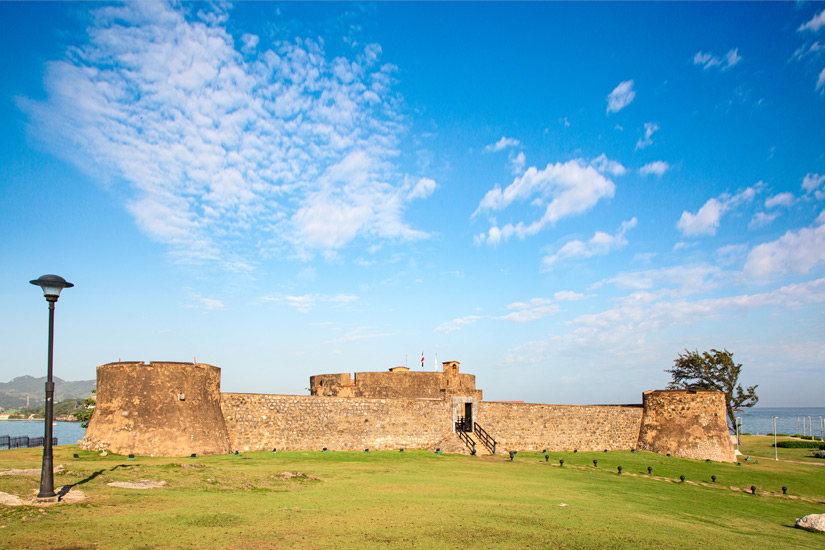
{"points": [[608, 166], [650, 129], [781, 199], [706, 220], [526, 312], [655, 168], [599, 244], [458, 323], [816, 23], [566, 189], [519, 312], [359, 334], [275, 144], [502, 144], [813, 185], [206, 303], [306, 302], [794, 252], [709, 61], [620, 97]]}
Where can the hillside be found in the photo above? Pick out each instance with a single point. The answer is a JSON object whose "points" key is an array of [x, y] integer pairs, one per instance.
{"points": [[13, 394]]}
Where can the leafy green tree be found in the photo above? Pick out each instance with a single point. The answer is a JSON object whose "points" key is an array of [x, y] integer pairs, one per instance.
{"points": [[714, 370], [85, 415]]}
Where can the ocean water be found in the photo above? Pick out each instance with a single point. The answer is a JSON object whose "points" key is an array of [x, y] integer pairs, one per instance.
{"points": [[790, 420], [67, 433]]}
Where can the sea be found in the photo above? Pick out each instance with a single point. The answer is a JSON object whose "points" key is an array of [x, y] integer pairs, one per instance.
{"points": [[789, 420], [67, 433]]}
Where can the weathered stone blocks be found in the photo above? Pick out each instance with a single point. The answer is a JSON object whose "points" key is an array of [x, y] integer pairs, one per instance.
{"points": [[159, 409]]}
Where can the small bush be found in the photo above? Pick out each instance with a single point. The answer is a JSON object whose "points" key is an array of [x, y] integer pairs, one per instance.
{"points": [[808, 437], [800, 445], [819, 454]]}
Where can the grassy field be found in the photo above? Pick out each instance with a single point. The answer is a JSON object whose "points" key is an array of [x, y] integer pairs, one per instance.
{"points": [[417, 499]]}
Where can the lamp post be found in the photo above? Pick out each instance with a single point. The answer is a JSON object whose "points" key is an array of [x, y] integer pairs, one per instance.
{"points": [[51, 285]]}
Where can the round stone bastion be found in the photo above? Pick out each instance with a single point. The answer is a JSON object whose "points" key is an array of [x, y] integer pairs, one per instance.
{"points": [[157, 409]]}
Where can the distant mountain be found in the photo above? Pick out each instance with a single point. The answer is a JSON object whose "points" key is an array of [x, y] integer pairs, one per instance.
{"points": [[14, 394]]}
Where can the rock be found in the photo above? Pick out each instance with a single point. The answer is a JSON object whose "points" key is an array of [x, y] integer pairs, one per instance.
{"points": [[10, 500], [141, 484], [813, 522], [285, 476]]}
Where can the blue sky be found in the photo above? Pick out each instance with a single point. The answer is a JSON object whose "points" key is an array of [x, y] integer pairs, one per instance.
{"points": [[561, 196]]}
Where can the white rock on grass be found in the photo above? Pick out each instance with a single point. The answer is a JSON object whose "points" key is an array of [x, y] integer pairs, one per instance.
{"points": [[814, 522]]}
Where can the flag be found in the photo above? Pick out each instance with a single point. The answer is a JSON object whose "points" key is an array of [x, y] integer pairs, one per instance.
{"points": [[422, 358]]}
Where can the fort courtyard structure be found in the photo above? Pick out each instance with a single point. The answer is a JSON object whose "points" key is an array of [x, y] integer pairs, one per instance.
{"points": [[176, 409]]}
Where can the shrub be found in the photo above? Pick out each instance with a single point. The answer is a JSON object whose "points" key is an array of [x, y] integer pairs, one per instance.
{"points": [[800, 444], [809, 437], [819, 454]]}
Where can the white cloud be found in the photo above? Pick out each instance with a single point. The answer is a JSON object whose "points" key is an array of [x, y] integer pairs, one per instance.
{"points": [[620, 97], [650, 129], [422, 189], [307, 302], [707, 219], [707, 60], [820, 82], [568, 188], [275, 144], [501, 144], [816, 23], [781, 199], [517, 163], [456, 324], [794, 252], [598, 245], [358, 335], [680, 280], [531, 311], [207, 303], [607, 166], [813, 50], [704, 222], [761, 219], [813, 184], [656, 168]]}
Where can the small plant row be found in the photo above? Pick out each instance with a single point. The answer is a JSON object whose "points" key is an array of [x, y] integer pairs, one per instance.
{"points": [[791, 444]]}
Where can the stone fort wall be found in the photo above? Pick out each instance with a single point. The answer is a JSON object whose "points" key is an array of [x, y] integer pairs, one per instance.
{"points": [[175, 409], [157, 409], [686, 423], [295, 422], [535, 427], [398, 383]]}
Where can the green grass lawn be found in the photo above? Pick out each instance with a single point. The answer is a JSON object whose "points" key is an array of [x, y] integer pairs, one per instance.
{"points": [[415, 499]]}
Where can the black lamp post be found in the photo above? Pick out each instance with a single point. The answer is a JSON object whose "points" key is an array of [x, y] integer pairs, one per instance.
{"points": [[51, 285]]}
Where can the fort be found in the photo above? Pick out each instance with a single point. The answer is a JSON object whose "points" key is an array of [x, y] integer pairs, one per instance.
{"points": [[177, 409]]}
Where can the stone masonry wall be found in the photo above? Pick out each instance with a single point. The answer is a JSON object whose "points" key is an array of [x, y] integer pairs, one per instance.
{"points": [[292, 422], [689, 424], [535, 427], [157, 409], [400, 383]]}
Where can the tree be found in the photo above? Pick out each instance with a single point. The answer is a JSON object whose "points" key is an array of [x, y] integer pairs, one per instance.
{"points": [[85, 415], [714, 370]]}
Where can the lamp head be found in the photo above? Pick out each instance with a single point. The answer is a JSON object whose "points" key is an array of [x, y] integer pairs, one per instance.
{"points": [[51, 285]]}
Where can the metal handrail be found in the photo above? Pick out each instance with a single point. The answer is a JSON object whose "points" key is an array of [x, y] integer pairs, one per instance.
{"points": [[485, 438], [465, 437]]}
